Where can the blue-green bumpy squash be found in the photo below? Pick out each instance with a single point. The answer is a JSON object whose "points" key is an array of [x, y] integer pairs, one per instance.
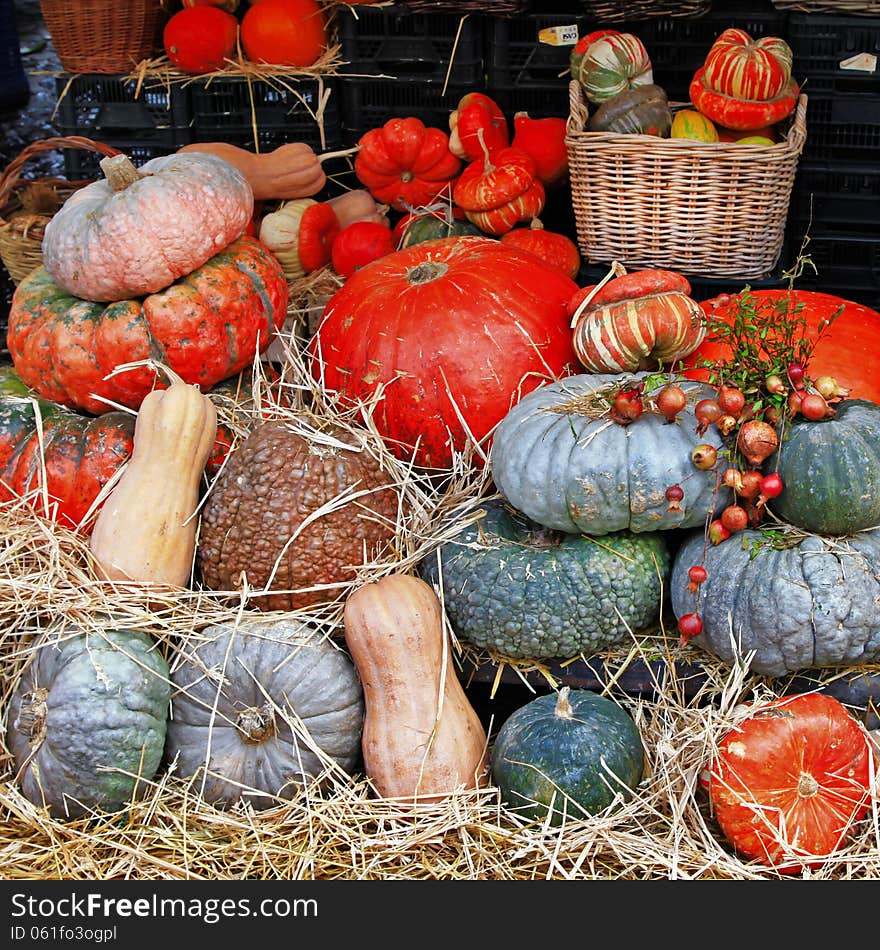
{"points": [[88, 719], [568, 755], [517, 589]]}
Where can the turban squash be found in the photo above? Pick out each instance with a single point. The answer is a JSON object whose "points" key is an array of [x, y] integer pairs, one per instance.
{"points": [[205, 327]]}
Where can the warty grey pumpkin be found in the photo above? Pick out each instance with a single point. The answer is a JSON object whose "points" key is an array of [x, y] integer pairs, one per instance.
{"points": [[261, 708], [792, 600], [87, 720]]}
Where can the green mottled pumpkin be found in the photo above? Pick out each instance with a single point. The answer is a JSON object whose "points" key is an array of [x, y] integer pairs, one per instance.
{"points": [[559, 459], [642, 110], [87, 718], [567, 756], [206, 326], [430, 225], [782, 600], [830, 470], [515, 588]]}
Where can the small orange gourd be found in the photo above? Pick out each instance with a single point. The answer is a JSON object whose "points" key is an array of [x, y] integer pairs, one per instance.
{"points": [[422, 739], [146, 530]]}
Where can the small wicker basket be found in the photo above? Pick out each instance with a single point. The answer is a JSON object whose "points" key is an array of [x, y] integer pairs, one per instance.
{"points": [[103, 36], [629, 11], [28, 205], [838, 8], [495, 8], [715, 209]]}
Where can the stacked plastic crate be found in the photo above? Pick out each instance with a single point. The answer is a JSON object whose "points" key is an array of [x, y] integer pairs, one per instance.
{"points": [[836, 198]]}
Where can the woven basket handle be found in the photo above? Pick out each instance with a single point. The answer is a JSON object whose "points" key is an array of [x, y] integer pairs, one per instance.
{"points": [[578, 110], [10, 177]]}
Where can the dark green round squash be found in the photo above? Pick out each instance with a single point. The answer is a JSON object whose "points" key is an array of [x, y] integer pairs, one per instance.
{"points": [[830, 471], [523, 591], [568, 755], [640, 110], [87, 718], [428, 226]]}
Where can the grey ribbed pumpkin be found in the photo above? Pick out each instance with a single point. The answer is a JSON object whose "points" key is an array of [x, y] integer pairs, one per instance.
{"points": [[518, 589], [570, 470], [261, 708], [87, 717], [813, 603]]}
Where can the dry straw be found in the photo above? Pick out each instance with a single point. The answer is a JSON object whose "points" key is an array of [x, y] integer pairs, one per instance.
{"points": [[339, 829]]}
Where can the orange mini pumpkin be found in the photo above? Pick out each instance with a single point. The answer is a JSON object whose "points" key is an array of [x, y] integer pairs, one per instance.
{"points": [[284, 32]]}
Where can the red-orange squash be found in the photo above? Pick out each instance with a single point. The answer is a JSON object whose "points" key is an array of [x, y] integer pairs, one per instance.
{"points": [[358, 245], [556, 249], [500, 190], [789, 782], [477, 124], [636, 321], [745, 83], [544, 140], [846, 350], [284, 32], [200, 38], [448, 334], [205, 327], [405, 164]]}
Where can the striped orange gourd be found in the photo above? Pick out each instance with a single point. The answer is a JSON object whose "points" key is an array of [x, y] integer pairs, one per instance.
{"points": [[743, 68]]}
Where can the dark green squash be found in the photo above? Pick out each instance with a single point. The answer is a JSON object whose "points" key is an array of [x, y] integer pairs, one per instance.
{"points": [[830, 471], [523, 591], [643, 110], [431, 225], [567, 756], [87, 720]]}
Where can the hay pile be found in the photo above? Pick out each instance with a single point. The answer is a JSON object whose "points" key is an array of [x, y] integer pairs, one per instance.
{"points": [[341, 830]]}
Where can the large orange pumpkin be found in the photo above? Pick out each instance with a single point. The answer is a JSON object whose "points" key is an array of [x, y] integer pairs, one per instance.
{"points": [[846, 350], [284, 32]]}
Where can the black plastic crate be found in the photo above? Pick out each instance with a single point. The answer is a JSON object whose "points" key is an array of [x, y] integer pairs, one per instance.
{"points": [[370, 103], [540, 102], [837, 197], [518, 58], [393, 41], [846, 264], [261, 114], [678, 46], [820, 43], [113, 110], [843, 127], [80, 165]]}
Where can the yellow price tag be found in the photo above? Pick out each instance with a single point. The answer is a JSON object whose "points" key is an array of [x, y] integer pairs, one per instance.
{"points": [[559, 35]]}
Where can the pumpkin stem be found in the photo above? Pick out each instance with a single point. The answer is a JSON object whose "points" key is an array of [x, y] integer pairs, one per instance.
{"points": [[807, 785], [536, 224], [119, 171], [563, 706], [427, 271], [617, 270], [255, 724], [32, 716]]}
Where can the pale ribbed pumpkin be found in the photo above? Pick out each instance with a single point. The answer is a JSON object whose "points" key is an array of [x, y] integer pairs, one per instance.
{"points": [[139, 230], [611, 63], [637, 320]]}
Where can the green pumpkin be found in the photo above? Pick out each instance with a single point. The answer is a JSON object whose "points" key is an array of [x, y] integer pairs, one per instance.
{"points": [[428, 226], [568, 756], [515, 588], [642, 110], [783, 601], [565, 467], [87, 717], [830, 471]]}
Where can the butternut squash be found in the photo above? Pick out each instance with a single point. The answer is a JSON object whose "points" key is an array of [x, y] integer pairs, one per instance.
{"points": [[422, 740], [145, 531], [292, 170]]}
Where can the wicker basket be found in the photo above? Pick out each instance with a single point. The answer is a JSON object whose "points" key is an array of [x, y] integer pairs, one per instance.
{"points": [[623, 11], [840, 8], [487, 7], [714, 209], [103, 36], [28, 205]]}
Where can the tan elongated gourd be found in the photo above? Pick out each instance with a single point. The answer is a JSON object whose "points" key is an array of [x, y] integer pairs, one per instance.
{"points": [[422, 739], [146, 529]]}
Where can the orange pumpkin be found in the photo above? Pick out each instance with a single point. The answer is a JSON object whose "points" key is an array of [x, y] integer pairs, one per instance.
{"points": [[845, 351], [500, 190], [284, 32], [200, 39], [557, 250]]}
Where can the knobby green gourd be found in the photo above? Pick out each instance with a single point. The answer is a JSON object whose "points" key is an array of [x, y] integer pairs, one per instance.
{"points": [[87, 721], [787, 605], [569, 468], [262, 708], [568, 755], [515, 588], [831, 470]]}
